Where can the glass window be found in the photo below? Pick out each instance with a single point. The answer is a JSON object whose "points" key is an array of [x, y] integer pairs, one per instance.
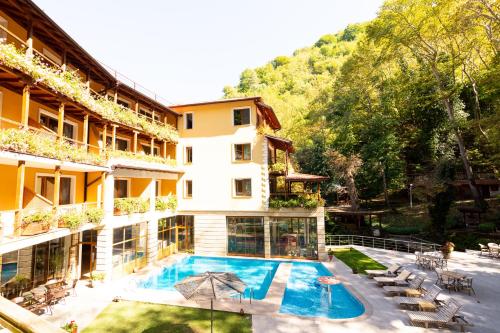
{"points": [[294, 237], [189, 155], [241, 116], [245, 236], [52, 122], [189, 188], [120, 144], [46, 188], [129, 248], [243, 187], [189, 121], [243, 152], [123, 103], [121, 188], [147, 150]]}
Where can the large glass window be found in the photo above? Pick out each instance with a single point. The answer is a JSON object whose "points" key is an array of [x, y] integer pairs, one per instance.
{"points": [[294, 237], [241, 116], [245, 236], [48, 261], [45, 188], [166, 237], [120, 144], [129, 248], [50, 122], [185, 232]]}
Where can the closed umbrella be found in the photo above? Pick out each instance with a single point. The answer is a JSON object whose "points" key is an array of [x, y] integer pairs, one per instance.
{"points": [[211, 285]]}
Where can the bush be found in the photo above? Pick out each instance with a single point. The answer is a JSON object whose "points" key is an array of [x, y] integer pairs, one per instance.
{"points": [[42, 217], [403, 230], [487, 227], [94, 215], [132, 205], [303, 201], [72, 220]]}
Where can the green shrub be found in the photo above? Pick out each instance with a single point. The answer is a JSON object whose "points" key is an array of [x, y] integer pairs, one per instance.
{"points": [[403, 230], [277, 167], [172, 203], [132, 205], [94, 215], [302, 201], [487, 227], [141, 157], [160, 204], [42, 217], [72, 220]]}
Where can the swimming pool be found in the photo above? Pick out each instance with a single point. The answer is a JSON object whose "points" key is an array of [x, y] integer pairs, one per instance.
{"points": [[256, 273], [304, 296]]}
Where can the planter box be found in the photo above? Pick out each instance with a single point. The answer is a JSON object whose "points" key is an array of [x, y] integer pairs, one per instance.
{"points": [[34, 229]]}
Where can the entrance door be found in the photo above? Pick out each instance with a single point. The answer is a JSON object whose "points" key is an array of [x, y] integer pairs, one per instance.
{"points": [[89, 247]]}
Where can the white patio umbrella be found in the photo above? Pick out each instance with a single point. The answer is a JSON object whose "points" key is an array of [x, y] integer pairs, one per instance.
{"points": [[211, 285]]}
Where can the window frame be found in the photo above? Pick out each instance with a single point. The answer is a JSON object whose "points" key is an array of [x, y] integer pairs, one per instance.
{"points": [[149, 145], [186, 155], [129, 183], [186, 120], [249, 108], [242, 160], [118, 137], [49, 114], [38, 185], [186, 195], [235, 191]]}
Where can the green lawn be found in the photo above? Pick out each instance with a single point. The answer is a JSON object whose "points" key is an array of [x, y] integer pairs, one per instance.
{"points": [[135, 317], [355, 259]]}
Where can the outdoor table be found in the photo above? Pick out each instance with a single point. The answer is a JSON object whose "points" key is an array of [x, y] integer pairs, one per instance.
{"points": [[454, 276], [329, 281]]}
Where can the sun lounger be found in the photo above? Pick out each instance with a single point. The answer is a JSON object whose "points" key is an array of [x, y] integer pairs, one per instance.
{"points": [[391, 271], [429, 296], [413, 287], [444, 316], [396, 280]]}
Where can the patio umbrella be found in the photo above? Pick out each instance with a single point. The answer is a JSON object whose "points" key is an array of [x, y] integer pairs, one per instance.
{"points": [[211, 285]]}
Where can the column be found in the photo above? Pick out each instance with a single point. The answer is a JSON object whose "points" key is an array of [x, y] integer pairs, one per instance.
{"points": [[152, 244], [21, 170], [321, 233], [104, 252], [267, 237], [164, 148], [29, 40], [152, 152], [60, 122], [104, 136], [25, 106], [134, 143], [57, 187], [113, 139], [85, 137]]}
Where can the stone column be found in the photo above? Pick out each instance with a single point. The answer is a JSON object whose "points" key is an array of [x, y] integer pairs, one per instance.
{"points": [[104, 252], [321, 233], [267, 237]]}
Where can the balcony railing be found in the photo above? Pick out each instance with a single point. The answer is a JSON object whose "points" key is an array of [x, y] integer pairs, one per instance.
{"points": [[381, 243]]}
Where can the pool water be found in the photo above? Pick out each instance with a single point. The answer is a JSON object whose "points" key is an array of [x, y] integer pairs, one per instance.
{"points": [[304, 296], [256, 273], [9, 270]]}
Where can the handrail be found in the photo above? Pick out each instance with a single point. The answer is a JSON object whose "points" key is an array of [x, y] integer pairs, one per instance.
{"points": [[381, 243]]}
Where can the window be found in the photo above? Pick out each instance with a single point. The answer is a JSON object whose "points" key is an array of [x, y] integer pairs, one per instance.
{"points": [[52, 56], [242, 152], [147, 150], [243, 187], [241, 116], [188, 122], [245, 236], [129, 248], [50, 121], [45, 187], [189, 155], [123, 103], [189, 189], [121, 188], [294, 237], [149, 114], [120, 144]]}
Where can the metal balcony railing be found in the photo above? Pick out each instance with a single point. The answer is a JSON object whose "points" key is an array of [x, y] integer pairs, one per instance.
{"points": [[409, 246]]}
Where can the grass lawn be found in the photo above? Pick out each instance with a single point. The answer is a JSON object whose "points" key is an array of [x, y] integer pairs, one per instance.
{"points": [[135, 317], [355, 259]]}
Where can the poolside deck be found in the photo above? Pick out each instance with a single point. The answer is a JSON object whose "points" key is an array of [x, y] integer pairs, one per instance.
{"points": [[382, 314]]}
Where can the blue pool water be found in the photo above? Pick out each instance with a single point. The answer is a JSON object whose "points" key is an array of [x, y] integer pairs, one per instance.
{"points": [[256, 273], [304, 296], [9, 270]]}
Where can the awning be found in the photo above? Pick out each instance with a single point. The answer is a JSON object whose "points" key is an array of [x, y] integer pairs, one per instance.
{"points": [[281, 143]]}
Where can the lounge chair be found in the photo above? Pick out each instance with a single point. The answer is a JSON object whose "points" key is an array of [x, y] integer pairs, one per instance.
{"points": [[444, 316], [484, 249], [391, 271], [429, 296], [413, 286], [401, 279]]}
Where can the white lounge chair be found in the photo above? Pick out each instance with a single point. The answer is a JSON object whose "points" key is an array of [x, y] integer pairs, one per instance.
{"points": [[391, 271], [444, 316], [413, 286], [396, 280], [429, 296]]}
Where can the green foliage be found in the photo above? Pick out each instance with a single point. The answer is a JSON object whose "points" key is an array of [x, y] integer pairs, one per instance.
{"points": [[72, 220], [304, 201], [132, 205], [41, 217], [277, 167], [487, 227], [170, 203], [94, 215], [69, 84], [141, 157], [470, 241]]}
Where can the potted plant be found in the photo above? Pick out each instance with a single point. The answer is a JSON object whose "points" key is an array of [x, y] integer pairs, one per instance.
{"points": [[447, 249], [330, 254], [70, 327], [355, 270], [94, 215], [36, 223], [96, 279], [71, 220]]}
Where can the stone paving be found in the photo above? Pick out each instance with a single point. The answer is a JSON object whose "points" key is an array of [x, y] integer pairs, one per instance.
{"points": [[381, 315]]}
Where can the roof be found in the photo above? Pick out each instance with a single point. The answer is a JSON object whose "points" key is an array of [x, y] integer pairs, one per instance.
{"points": [[265, 110], [281, 143], [304, 177]]}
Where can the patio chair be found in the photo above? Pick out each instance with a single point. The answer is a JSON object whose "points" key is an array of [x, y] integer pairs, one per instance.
{"points": [[429, 296], [466, 284], [445, 315], [71, 289], [493, 248], [400, 280], [391, 271], [484, 249], [413, 286]]}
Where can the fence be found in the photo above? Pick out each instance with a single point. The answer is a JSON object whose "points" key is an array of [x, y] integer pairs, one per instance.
{"points": [[382, 243]]}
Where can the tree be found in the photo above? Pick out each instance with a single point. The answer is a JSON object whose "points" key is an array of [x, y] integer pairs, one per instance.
{"points": [[346, 168]]}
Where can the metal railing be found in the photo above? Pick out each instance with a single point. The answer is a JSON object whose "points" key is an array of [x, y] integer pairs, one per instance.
{"points": [[381, 243]]}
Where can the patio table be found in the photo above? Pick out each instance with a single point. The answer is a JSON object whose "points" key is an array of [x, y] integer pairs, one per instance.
{"points": [[329, 281], [455, 277]]}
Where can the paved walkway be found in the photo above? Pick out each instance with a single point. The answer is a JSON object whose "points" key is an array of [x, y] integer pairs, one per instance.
{"points": [[382, 315]]}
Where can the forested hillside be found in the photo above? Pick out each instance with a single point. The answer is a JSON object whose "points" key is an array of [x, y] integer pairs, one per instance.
{"points": [[413, 94]]}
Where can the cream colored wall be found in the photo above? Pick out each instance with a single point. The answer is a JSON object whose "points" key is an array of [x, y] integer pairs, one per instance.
{"points": [[213, 170]]}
